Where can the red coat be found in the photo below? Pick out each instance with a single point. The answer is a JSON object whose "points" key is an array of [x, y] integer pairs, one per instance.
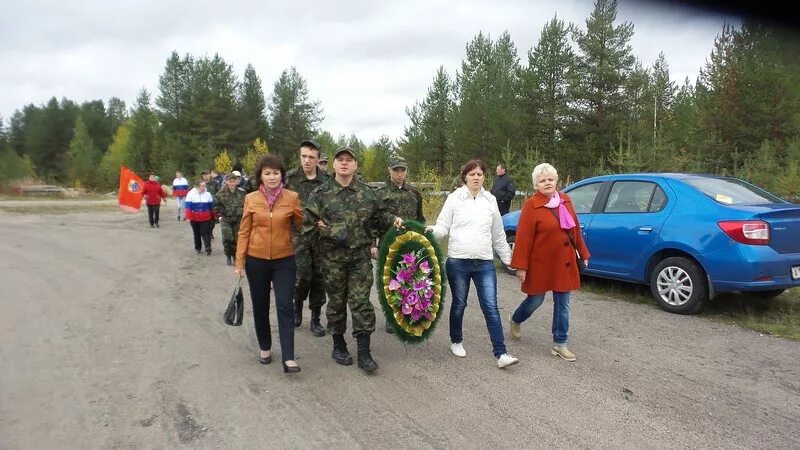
{"points": [[542, 248], [153, 192]]}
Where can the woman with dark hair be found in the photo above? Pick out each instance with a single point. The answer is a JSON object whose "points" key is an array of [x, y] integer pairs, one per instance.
{"points": [[199, 212], [265, 253], [153, 194], [472, 220]]}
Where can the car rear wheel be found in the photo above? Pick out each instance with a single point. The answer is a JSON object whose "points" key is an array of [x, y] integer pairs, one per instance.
{"points": [[508, 269], [764, 295], [679, 286]]}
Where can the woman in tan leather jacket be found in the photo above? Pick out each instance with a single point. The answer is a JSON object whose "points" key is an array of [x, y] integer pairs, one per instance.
{"points": [[265, 253]]}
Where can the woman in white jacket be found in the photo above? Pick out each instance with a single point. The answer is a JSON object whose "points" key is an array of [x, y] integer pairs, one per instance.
{"points": [[472, 220]]}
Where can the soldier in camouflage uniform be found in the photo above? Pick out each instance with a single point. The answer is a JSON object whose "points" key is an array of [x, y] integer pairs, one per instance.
{"points": [[228, 203], [400, 198], [309, 282], [348, 215]]}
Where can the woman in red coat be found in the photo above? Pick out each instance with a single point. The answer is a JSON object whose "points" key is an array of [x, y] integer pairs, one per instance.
{"points": [[548, 233]]}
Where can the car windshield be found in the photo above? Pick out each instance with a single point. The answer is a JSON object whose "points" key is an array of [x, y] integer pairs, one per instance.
{"points": [[730, 191]]}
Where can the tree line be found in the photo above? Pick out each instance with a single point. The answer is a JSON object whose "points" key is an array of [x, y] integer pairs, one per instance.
{"points": [[579, 98]]}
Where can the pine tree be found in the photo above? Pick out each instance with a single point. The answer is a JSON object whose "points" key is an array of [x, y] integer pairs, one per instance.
{"points": [[252, 108], [603, 65], [83, 157], [142, 139], [544, 92], [293, 115]]}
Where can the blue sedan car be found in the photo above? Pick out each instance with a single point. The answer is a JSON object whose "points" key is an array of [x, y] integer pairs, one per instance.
{"points": [[689, 237]]}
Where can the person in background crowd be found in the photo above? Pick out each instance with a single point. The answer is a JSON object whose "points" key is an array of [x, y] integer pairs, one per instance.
{"points": [[548, 234], [309, 284], [199, 213], [323, 162], [264, 252], [245, 182], [212, 189], [153, 195], [229, 204], [219, 180], [471, 218], [180, 187], [503, 189], [348, 215], [400, 199]]}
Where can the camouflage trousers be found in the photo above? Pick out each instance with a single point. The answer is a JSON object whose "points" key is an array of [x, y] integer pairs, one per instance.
{"points": [[229, 233], [309, 282], [348, 284]]}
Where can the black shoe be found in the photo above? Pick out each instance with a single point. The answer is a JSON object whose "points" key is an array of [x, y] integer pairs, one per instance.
{"points": [[228, 260], [266, 360], [365, 361], [179, 218], [316, 327], [157, 226], [340, 353], [290, 369], [298, 314], [152, 226], [389, 328], [208, 251], [197, 251]]}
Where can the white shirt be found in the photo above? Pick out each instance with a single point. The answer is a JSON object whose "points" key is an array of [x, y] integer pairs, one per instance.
{"points": [[474, 225]]}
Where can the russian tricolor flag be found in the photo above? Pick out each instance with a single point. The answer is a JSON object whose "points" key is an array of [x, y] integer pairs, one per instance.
{"points": [[180, 190], [199, 211]]}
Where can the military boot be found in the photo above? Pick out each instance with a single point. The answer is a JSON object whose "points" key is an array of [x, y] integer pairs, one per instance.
{"points": [[365, 361], [316, 327], [298, 313], [340, 353]]}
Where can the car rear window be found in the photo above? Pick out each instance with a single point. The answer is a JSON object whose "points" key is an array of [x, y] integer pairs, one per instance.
{"points": [[730, 191]]}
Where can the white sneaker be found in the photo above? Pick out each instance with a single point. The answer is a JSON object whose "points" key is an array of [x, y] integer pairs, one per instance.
{"points": [[506, 360], [458, 350]]}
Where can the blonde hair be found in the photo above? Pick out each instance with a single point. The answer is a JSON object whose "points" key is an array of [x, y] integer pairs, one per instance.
{"points": [[542, 169]]}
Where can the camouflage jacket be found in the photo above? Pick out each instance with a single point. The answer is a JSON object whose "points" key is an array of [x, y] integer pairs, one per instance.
{"points": [[355, 215], [404, 201], [296, 181], [211, 187], [229, 205]]}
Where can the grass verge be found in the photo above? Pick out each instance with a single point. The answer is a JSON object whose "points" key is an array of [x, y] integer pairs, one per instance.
{"points": [[778, 317]]}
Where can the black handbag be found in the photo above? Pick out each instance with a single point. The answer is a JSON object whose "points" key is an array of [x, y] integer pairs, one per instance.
{"points": [[235, 310], [578, 260]]}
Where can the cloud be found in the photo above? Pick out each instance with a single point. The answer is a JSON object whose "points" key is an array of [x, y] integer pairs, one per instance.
{"points": [[365, 61]]}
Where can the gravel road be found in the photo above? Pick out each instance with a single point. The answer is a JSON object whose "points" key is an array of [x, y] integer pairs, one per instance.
{"points": [[111, 337]]}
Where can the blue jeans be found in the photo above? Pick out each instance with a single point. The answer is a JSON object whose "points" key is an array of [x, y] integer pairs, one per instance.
{"points": [[482, 273], [560, 314], [181, 207]]}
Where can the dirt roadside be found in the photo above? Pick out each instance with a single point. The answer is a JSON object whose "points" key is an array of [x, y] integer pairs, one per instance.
{"points": [[111, 337]]}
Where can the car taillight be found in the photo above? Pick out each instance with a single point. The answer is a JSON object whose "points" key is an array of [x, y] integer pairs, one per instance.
{"points": [[753, 232]]}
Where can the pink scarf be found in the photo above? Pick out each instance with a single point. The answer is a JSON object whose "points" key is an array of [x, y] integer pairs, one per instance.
{"points": [[271, 197], [564, 217]]}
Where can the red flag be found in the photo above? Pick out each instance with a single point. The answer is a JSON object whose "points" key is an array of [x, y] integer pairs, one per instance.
{"points": [[130, 190]]}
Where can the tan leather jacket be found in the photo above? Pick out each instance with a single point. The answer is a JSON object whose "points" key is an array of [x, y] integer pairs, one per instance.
{"points": [[267, 234]]}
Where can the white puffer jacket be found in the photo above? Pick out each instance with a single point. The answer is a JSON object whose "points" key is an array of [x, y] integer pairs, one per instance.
{"points": [[474, 226]]}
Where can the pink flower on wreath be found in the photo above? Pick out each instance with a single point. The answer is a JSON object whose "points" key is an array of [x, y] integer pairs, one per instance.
{"points": [[415, 315], [404, 276], [425, 267], [412, 298], [408, 258], [394, 285], [428, 294], [420, 285], [406, 309]]}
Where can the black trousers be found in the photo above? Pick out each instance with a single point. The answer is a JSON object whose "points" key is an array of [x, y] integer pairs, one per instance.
{"points": [[281, 273], [202, 231], [152, 213]]}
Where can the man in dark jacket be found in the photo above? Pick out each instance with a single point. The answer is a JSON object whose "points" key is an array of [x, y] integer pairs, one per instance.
{"points": [[503, 189]]}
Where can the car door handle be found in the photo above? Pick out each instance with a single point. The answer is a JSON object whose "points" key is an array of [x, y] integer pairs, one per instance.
{"points": [[646, 228]]}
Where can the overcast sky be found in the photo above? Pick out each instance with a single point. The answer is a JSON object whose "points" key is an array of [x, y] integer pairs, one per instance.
{"points": [[365, 61]]}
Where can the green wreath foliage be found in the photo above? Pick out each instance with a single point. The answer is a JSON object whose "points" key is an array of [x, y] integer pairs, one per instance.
{"points": [[409, 246]]}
